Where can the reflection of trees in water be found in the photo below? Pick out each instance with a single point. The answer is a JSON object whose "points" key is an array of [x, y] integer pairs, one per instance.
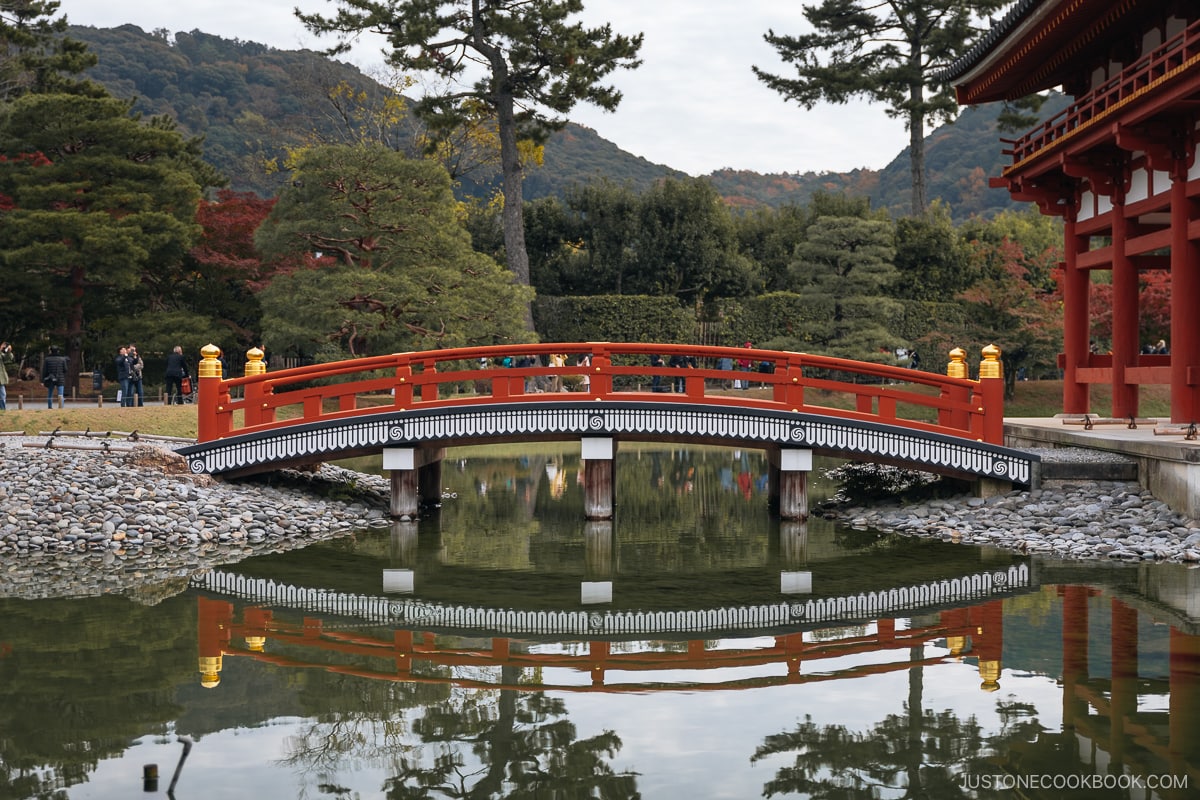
{"points": [[440, 742], [916, 754], [80, 679]]}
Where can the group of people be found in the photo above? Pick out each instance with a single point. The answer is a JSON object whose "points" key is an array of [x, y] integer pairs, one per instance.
{"points": [[129, 377], [129, 366]]}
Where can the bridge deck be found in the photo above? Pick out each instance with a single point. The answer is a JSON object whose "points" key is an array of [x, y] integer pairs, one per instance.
{"points": [[466, 395]]}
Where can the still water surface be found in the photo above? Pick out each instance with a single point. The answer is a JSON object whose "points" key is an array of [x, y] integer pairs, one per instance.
{"points": [[694, 648]]}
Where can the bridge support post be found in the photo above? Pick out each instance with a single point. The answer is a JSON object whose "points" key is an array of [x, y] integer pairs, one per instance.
{"points": [[598, 562], [789, 482], [598, 470], [415, 474], [793, 557]]}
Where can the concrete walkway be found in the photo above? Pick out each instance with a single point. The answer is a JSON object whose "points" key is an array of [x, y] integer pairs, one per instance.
{"points": [[1168, 463]]}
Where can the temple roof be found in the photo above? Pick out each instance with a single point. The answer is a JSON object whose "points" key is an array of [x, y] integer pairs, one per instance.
{"points": [[1043, 44]]}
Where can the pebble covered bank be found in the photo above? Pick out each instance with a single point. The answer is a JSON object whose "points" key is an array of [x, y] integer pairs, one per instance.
{"points": [[88, 522]]}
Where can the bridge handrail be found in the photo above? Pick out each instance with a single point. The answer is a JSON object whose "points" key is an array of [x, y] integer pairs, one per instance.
{"points": [[424, 380]]}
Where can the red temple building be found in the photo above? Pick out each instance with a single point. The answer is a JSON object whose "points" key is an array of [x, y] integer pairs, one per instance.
{"points": [[1118, 165]]}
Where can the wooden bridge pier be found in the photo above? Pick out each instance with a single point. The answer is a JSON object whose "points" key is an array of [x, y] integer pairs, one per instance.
{"points": [[597, 453], [787, 487], [416, 475]]}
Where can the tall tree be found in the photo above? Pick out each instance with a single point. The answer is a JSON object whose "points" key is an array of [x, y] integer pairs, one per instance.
{"points": [[109, 198], [35, 56], [536, 66], [890, 52], [391, 265]]}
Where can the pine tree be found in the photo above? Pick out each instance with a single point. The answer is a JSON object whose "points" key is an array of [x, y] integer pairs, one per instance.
{"points": [[889, 52], [93, 198], [35, 55], [390, 265], [537, 65]]}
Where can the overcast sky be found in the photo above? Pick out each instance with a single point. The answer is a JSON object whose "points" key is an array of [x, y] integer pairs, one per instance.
{"points": [[693, 105]]}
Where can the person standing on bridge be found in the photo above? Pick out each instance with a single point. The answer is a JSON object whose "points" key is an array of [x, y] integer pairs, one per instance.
{"points": [[678, 382], [656, 362], [744, 365]]}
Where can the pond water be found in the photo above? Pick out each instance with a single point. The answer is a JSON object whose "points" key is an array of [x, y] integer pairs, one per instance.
{"points": [[693, 648]]}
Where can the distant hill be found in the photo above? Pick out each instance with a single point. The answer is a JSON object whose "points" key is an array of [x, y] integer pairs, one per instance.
{"points": [[252, 102]]}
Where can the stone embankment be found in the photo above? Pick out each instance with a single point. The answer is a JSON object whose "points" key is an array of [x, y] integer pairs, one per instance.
{"points": [[1069, 519], [77, 522]]}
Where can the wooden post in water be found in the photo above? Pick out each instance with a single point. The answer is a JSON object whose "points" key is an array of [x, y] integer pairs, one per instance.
{"points": [[789, 482], [414, 474], [598, 470], [597, 586]]}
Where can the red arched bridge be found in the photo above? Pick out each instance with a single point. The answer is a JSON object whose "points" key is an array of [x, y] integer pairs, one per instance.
{"points": [[411, 405]]}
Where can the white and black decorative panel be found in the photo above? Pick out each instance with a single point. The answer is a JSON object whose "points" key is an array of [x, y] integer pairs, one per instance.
{"points": [[670, 421], [412, 612]]}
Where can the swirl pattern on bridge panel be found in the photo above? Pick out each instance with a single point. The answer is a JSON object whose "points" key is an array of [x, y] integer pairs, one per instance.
{"points": [[676, 422]]}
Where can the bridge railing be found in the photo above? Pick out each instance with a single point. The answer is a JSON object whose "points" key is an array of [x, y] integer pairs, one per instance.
{"points": [[598, 372]]}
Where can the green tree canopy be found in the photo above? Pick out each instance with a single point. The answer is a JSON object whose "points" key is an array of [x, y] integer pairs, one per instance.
{"points": [[537, 65], [35, 56], [390, 263], [888, 52], [845, 267], [91, 199]]}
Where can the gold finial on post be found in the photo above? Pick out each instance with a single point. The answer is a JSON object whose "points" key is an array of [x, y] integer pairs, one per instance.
{"points": [[210, 364], [989, 671], [957, 368], [990, 367], [254, 362]]}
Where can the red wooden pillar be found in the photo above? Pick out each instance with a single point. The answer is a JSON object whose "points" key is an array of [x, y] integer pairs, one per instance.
{"points": [[1124, 694], [1076, 286], [1074, 652], [1124, 313], [1183, 745], [1185, 300]]}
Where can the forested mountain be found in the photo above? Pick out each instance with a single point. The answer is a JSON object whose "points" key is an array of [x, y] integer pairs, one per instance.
{"points": [[252, 103]]}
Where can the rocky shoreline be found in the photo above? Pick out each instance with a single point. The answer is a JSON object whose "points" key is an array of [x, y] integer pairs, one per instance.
{"points": [[1069, 519], [77, 522], [86, 522]]}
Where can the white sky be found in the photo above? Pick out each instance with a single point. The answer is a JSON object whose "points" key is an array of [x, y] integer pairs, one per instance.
{"points": [[693, 105]]}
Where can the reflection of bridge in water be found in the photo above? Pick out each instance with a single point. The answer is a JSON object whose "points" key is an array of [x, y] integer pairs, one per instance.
{"points": [[1117, 725], [425, 656], [804, 613], [429, 635]]}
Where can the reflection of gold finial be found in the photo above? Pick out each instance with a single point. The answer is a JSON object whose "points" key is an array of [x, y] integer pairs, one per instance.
{"points": [[957, 368], [209, 366], [990, 366], [956, 644], [256, 643], [210, 668], [254, 362], [990, 672]]}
